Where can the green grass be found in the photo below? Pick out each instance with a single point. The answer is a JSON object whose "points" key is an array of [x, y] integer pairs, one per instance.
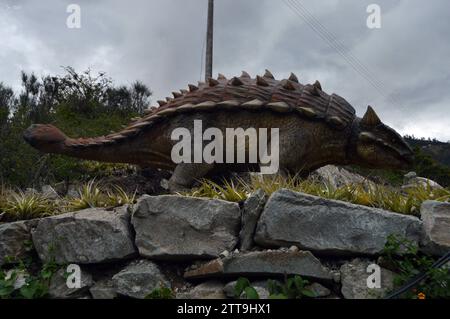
{"points": [[18, 205], [92, 194], [385, 197]]}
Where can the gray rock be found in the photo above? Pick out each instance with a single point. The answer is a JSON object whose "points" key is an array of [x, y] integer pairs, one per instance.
{"points": [[139, 279], [264, 263], [318, 290], [260, 287], [103, 290], [436, 220], [408, 177], [58, 288], [338, 177], [354, 276], [49, 192], [86, 237], [253, 208], [330, 226], [206, 290], [411, 181], [184, 228], [73, 191], [15, 239]]}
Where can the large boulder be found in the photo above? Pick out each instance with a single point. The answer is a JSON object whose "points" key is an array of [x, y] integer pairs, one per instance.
{"points": [[354, 278], [436, 219], [338, 177], [411, 181], [330, 226], [251, 212], [86, 237], [184, 228], [139, 279], [263, 263], [15, 239]]}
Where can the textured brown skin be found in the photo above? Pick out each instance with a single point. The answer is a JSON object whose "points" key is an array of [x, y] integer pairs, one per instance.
{"points": [[316, 129]]}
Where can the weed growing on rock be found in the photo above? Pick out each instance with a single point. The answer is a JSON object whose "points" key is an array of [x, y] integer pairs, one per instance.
{"points": [[244, 290], [292, 288], [21, 283], [161, 293], [403, 257]]}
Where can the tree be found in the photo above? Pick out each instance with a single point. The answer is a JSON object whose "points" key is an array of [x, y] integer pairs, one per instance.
{"points": [[81, 104]]}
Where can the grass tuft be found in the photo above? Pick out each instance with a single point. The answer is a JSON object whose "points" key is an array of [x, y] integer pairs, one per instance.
{"points": [[18, 205], [92, 194], [389, 198]]}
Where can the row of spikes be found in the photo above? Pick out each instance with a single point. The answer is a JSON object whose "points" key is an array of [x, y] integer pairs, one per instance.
{"points": [[278, 107], [288, 84]]}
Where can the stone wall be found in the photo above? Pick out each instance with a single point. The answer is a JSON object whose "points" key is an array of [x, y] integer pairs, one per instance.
{"points": [[199, 247]]}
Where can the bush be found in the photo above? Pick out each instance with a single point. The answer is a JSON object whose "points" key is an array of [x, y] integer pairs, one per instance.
{"points": [[80, 104]]}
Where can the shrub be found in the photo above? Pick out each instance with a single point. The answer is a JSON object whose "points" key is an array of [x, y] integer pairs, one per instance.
{"points": [[292, 288], [403, 257]]}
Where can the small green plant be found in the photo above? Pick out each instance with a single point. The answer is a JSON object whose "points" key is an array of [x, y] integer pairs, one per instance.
{"points": [[91, 195], [244, 290], [119, 197], [23, 206], [292, 288], [20, 283], [229, 191], [161, 293], [402, 256]]}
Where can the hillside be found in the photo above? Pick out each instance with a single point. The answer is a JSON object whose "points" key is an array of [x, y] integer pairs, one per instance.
{"points": [[439, 151]]}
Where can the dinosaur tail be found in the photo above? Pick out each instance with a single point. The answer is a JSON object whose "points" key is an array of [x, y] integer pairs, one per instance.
{"points": [[49, 139], [46, 138]]}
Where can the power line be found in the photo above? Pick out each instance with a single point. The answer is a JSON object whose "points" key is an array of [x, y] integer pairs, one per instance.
{"points": [[339, 47]]}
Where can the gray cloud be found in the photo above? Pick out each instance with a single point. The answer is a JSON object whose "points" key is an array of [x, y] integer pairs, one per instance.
{"points": [[160, 43]]}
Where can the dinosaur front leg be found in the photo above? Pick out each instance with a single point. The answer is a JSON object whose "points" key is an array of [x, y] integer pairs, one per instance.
{"points": [[185, 175]]}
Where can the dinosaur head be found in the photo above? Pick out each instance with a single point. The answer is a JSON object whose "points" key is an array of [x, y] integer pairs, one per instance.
{"points": [[377, 145], [46, 138]]}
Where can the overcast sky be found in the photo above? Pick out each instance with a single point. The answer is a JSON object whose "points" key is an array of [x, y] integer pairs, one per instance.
{"points": [[160, 42]]}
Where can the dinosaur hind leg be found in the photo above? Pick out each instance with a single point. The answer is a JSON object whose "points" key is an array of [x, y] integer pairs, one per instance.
{"points": [[185, 175]]}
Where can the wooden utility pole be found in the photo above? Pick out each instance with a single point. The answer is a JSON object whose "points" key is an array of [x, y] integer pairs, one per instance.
{"points": [[209, 41]]}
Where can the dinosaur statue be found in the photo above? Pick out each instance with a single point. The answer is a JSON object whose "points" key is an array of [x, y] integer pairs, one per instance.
{"points": [[315, 129]]}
